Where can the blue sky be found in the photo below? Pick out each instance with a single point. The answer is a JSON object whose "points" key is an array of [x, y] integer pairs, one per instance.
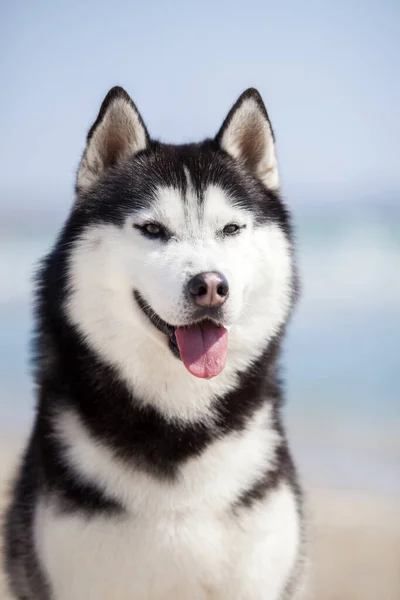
{"points": [[328, 72]]}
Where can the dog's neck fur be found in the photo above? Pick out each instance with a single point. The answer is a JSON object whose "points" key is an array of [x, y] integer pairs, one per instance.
{"points": [[113, 411]]}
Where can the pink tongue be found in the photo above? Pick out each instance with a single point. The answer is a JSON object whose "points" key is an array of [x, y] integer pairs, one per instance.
{"points": [[203, 348]]}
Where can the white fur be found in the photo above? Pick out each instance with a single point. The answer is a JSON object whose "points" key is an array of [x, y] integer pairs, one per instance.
{"points": [[177, 541], [108, 262]]}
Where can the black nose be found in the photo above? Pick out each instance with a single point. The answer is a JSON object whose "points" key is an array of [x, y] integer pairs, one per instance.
{"points": [[209, 289]]}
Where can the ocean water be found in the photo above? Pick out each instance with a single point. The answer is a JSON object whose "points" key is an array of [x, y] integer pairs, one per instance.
{"points": [[341, 363]]}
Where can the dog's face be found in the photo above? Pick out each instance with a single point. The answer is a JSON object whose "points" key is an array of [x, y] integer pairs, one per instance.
{"points": [[184, 247]]}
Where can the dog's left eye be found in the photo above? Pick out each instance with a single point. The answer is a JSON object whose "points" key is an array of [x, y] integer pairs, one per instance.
{"points": [[231, 229]]}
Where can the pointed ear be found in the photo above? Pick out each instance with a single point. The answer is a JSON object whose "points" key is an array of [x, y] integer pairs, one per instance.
{"points": [[117, 133], [247, 136]]}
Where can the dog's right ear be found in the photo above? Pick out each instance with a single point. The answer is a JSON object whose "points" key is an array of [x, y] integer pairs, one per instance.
{"points": [[117, 133]]}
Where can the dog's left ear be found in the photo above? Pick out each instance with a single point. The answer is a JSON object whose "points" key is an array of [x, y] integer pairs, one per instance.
{"points": [[117, 133], [247, 135]]}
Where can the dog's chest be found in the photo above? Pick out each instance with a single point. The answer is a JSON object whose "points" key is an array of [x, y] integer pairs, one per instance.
{"points": [[130, 559], [194, 556], [182, 540]]}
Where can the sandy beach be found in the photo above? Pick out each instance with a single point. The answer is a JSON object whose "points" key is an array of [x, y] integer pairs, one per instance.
{"points": [[354, 539]]}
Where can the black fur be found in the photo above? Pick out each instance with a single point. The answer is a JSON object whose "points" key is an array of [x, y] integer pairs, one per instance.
{"points": [[26, 578]]}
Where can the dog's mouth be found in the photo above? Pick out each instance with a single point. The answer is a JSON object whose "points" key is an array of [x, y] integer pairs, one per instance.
{"points": [[158, 322], [202, 346]]}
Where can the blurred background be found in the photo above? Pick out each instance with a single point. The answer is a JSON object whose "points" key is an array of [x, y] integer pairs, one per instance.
{"points": [[329, 75]]}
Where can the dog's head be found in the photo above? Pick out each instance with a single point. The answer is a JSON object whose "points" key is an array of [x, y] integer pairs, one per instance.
{"points": [[183, 247]]}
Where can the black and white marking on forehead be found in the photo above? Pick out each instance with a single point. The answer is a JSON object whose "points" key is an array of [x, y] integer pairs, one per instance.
{"points": [[187, 180]]}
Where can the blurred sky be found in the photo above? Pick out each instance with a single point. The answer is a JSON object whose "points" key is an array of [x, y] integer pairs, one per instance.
{"points": [[328, 71]]}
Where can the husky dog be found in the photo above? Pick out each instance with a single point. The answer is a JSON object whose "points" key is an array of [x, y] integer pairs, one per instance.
{"points": [[158, 466]]}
